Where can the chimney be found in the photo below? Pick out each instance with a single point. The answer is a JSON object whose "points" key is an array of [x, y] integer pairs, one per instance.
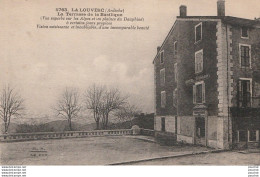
{"points": [[183, 11], [158, 49], [221, 8]]}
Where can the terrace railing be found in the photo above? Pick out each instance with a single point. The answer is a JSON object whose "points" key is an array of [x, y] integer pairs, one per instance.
{"points": [[62, 135]]}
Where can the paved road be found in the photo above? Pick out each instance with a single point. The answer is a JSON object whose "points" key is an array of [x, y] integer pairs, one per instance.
{"points": [[222, 158], [88, 151]]}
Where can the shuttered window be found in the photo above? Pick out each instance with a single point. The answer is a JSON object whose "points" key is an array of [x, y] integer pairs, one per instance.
{"points": [[162, 57], [198, 32], [199, 93], [245, 56], [244, 93], [162, 77], [175, 48], [163, 99], [199, 61]]}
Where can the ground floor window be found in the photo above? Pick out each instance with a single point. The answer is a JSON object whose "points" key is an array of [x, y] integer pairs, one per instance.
{"points": [[250, 135], [163, 124], [241, 136], [253, 135]]}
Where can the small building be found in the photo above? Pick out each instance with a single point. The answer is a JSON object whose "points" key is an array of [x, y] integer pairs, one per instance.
{"points": [[207, 80]]}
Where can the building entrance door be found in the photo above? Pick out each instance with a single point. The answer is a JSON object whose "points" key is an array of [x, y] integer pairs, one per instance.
{"points": [[200, 128]]}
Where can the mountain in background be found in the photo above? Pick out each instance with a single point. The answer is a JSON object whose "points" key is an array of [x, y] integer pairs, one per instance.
{"points": [[53, 126], [143, 121]]}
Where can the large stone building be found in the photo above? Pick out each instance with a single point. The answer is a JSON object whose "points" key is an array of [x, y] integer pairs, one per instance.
{"points": [[207, 80]]}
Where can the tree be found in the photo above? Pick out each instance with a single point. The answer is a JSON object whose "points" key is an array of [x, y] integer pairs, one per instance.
{"points": [[11, 105], [111, 100], [69, 105], [127, 113], [92, 99]]}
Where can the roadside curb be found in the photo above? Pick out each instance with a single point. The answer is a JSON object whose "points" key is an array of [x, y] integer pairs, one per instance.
{"points": [[168, 157]]}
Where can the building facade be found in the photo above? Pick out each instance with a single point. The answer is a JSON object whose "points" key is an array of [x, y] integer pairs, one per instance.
{"points": [[207, 80]]}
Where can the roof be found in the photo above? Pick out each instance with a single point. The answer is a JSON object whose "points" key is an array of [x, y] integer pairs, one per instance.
{"points": [[227, 19], [240, 21], [235, 21]]}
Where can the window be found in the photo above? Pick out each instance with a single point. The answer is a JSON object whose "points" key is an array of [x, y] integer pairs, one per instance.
{"points": [[175, 48], [162, 56], [199, 92], [163, 99], [175, 72], [244, 32], [163, 124], [198, 32], [162, 77], [252, 135], [244, 92], [199, 61], [245, 55], [241, 136]]}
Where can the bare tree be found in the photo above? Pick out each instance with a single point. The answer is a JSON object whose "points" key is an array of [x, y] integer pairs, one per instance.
{"points": [[92, 99], [11, 105], [68, 105], [127, 113], [111, 100]]}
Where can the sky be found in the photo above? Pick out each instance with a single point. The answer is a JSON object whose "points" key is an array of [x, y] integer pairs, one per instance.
{"points": [[41, 63]]}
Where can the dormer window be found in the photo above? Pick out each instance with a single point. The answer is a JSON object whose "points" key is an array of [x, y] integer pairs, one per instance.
{"points": [[198, 32], [244, 32], [162, 56]]}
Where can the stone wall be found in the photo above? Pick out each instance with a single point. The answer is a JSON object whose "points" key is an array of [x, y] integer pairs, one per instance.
{"points": [[169, 123], [187, 124]]}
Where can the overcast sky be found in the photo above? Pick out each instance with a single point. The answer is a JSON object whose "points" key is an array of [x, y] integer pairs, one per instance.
{"points": [[40, 63]]}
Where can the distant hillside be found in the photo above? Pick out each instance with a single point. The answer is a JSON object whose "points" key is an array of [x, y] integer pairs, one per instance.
{"points": [[53, 126], [11, 129], [61, 125], [143, 121]]}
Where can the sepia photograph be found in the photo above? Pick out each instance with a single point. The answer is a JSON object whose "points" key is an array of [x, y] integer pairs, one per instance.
{"points": [[137, 82]]}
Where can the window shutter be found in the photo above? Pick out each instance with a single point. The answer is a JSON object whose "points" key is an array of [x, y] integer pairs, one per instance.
{"points": [[162, 77], [240, 93], [203, 93], [242, 55], [161, 57], [194, 94], [247, 56], [248, 86], [240, 89], [248, 93], [163, 99]]}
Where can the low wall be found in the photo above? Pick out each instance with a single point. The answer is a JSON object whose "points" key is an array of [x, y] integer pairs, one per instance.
{"points": [[147, 132], [62, 135], [165, 137], [185, 139]]}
